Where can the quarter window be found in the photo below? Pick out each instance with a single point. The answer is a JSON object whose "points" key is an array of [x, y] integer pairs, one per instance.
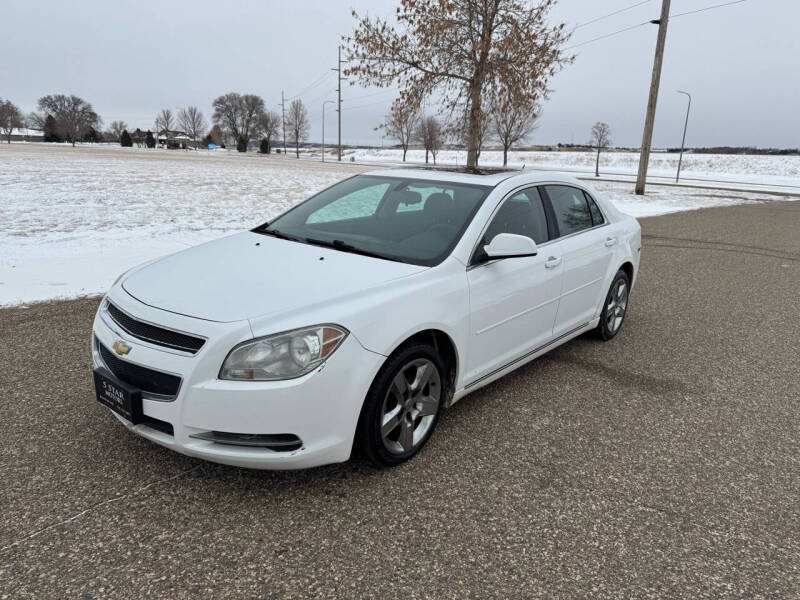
{"points": [[597, 216], [570, 207], [522, 214]]}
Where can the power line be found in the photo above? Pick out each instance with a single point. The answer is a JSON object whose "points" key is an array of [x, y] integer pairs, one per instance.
{"points": [[643, 23], [691, 12], [608, 35], [616, 12], [312, 85]]}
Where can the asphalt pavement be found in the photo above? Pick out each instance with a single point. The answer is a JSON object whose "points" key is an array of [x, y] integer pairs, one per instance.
{"points": [[665, 463]]}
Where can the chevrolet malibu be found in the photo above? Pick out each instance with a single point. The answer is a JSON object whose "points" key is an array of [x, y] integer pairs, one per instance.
{"points": [[352, 320]]}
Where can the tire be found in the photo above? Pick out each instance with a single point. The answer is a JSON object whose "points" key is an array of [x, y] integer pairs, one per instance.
{"points": [[617, 301], [407, 395]]}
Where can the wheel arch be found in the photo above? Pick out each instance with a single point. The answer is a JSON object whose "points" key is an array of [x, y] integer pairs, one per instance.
{"points": [[444, 345], [627, 267]]}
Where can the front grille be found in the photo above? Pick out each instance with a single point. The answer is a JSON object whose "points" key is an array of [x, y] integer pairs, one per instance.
{"points": [[147, 380], [154, 334]]}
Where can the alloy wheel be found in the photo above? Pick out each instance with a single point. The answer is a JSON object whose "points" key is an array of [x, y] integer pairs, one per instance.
{"points": [[618, 302], [410, 406]]}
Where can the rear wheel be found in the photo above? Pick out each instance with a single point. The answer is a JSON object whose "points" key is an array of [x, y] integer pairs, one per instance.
{"points": [[402, 406], [615, 307]]}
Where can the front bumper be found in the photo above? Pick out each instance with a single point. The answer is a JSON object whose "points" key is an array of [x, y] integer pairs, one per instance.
{"points": [[321, 408]]}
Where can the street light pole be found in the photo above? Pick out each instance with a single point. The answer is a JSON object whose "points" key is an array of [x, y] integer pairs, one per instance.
{"points": [[683, 141], [323, 126]]}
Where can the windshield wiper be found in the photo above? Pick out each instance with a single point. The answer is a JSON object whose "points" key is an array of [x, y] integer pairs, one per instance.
{"points": [[345, 247], [277, 234]]}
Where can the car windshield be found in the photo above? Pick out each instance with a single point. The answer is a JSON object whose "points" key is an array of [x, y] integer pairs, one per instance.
{"points": [[396, 218]]}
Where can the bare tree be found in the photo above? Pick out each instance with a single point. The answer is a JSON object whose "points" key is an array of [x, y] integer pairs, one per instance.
{"points": [[467, 52], [216, 136], [116, 128], [73, 116], [297, 124], [238, 115], [165, 121], [11, 118], [512, 123], [601, 138], [269, 126], [429, 134], [401, 123], [192, 121]]}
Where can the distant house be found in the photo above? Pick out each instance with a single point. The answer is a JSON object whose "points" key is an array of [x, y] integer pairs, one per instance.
{"points": [[174, 140], [25, 135]]}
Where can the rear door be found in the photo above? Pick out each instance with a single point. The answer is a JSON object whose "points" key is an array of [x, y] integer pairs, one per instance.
{"points": [[586, 249], [513, 301]]}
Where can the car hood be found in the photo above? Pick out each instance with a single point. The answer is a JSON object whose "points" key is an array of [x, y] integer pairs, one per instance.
{"points": [[248, 275]]}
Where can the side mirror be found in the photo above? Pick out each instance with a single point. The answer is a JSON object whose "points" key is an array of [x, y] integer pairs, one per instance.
{"points": [[509, 245]]}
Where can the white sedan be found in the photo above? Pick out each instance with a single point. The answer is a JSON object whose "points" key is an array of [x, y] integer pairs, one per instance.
{"points": [[352, 320]]}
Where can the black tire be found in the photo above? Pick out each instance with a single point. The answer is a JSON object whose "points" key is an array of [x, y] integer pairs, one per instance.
{"points": [[605, 330], [369, 438]]}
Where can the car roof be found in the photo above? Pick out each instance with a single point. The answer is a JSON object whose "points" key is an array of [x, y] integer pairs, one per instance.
{"points": [[490, 177]]}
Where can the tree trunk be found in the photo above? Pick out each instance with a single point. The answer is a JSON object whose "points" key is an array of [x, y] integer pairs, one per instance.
{"points": [[426, 156], [405, 149], [473, 126], [597, 163], [297, 149], [505, 155]]}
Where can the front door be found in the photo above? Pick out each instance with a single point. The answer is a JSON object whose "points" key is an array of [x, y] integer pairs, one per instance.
{"points": [[513, 301]]}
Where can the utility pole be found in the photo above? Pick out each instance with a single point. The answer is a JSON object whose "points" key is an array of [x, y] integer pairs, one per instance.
{"points": [[283, 120], [685, 126], [338, 70], [323, 127], [647, 137]]}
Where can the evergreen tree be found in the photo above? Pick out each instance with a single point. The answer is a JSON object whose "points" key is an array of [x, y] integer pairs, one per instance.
{"points": [[264, 147], [125, 139], [50, 130], [92, 136], [150, 141], [241, 145]]}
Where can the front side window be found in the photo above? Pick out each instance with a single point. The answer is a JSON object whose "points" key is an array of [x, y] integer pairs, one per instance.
{"points": [[570, 207], [397, 218], [521, 214]]}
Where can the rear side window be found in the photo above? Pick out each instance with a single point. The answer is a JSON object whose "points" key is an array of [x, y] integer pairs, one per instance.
{"points": [[570, 207], [597, 216]]}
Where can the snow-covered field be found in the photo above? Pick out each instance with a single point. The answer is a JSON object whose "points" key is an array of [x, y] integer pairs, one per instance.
{"points": [[72, 220], [762, 170]]}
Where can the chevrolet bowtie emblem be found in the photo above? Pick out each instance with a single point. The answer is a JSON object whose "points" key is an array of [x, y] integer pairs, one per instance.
{"points": [[121, 347]]}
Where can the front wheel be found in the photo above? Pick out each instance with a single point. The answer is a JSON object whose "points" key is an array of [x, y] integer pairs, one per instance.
{"points": [[615, 307], [402, 406]]}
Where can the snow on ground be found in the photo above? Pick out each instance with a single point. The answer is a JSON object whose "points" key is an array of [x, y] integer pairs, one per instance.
{"points": [[73, 219], [759, 169]]}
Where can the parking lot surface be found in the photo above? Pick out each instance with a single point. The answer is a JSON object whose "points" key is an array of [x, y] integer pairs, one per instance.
{"points": [[665, 463]]}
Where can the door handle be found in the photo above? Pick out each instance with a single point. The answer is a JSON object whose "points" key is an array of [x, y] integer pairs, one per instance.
{"points": [[552, 262], [610, 241]]}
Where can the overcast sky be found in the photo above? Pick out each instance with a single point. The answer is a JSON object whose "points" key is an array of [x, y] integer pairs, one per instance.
{"points": [[741, 64]]}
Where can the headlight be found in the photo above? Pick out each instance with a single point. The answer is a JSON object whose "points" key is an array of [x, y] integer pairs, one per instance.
{"points": [[284, 355]]}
